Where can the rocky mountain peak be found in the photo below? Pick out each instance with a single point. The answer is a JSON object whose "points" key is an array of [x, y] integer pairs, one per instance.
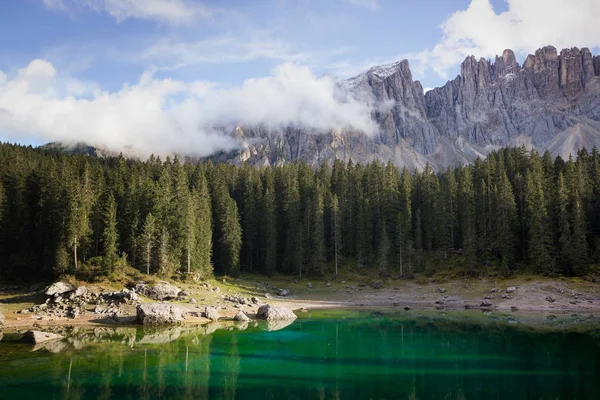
{"points": [[550, 101]]}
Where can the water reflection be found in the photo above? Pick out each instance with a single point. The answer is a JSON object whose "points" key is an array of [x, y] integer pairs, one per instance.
{"points": [[359, 357]]}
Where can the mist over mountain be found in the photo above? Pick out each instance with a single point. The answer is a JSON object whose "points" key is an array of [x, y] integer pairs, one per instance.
{"points": [[551, 101]]}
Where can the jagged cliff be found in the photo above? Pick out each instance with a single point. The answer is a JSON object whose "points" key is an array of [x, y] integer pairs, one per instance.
{"points": [[551, 101]]}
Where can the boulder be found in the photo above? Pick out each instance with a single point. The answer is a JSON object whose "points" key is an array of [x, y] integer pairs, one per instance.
{"points": [[284, 292], [309, 285], [211, 313], [159, 314], [486, 303], [123, 295], [274, 313], [160, 291], [378, 284], [59, 288], [511, 289], [80, 291], [37, 337], [241, 317]]}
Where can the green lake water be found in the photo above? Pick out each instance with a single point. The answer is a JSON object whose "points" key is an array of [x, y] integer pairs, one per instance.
{"points": [[362, 355]]}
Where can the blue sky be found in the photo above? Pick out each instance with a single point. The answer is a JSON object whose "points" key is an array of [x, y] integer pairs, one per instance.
{"points": [[92, 61]]}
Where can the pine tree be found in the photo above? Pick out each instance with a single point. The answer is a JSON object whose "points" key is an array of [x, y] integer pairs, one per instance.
{"points": [[540, 240], [505, 219], [336, 230], [231, 240], [317, 239], [467, 220], [269, 227], [110, 235], [579, 246], [203, 234], [148, 239]]}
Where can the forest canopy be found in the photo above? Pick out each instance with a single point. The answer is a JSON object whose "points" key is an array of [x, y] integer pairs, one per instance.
{"points": [[515, 211]]}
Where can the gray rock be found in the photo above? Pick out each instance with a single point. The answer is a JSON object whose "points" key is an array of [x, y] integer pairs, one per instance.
{"points": [[309, 285], [80, 291], [37, 337], [442, 290], [1, 319], [550, 299], [211, 313], [254, 300], [272, 313], [241, 317], [192, 301], [378, 284], [328, 284], [486, 303], [283, 292], [511, 289], [160, 291], [59, 288], [159, 314]]}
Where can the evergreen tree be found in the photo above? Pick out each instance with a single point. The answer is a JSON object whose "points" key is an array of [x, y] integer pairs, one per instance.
{"points": [[539, 230], [148, 239], [110, 235], [269, 227], [231, 239], [317, 231], [336, 230]]}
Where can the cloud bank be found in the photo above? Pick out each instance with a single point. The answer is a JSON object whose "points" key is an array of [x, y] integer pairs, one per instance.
{"points": [[163, 116], [526, 26]]}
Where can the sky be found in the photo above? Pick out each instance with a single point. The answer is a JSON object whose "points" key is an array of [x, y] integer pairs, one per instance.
{"points": [[160, 76]]}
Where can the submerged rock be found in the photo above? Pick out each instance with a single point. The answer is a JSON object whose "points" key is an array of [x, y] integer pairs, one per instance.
{"points": [[159, 314], [37, 337], [59, 288], [160, 291], [273, 313]]}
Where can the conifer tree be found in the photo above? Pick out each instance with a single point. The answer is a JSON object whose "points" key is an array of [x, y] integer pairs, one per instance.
{"points": [[336, 230], [317, 239], [539, 229], [110, 235], [231, 239], [148, 239], [269, 227]]}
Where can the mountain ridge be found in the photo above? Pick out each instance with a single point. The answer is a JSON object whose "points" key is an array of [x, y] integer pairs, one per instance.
{"points": [[549, 101]]}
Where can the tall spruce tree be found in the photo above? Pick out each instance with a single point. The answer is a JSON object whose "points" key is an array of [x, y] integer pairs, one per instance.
{"points": [[110, 235]]}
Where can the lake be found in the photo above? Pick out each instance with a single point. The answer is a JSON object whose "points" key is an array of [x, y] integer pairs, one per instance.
{"points": [[325, 354]]}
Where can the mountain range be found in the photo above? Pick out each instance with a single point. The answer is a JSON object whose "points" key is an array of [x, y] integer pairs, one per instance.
{"points": [[550, 101]]}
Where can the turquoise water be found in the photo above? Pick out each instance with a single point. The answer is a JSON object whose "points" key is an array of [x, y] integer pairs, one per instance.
{"points": [[325, 355]]}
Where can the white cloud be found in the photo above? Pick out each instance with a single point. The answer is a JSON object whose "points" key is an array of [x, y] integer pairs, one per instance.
{"points": [[526, 26], [370, 4], [170, 11], [164, 116]]}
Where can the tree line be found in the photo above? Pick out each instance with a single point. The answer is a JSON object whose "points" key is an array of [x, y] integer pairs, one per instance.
{"points": [[515, 211]]}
